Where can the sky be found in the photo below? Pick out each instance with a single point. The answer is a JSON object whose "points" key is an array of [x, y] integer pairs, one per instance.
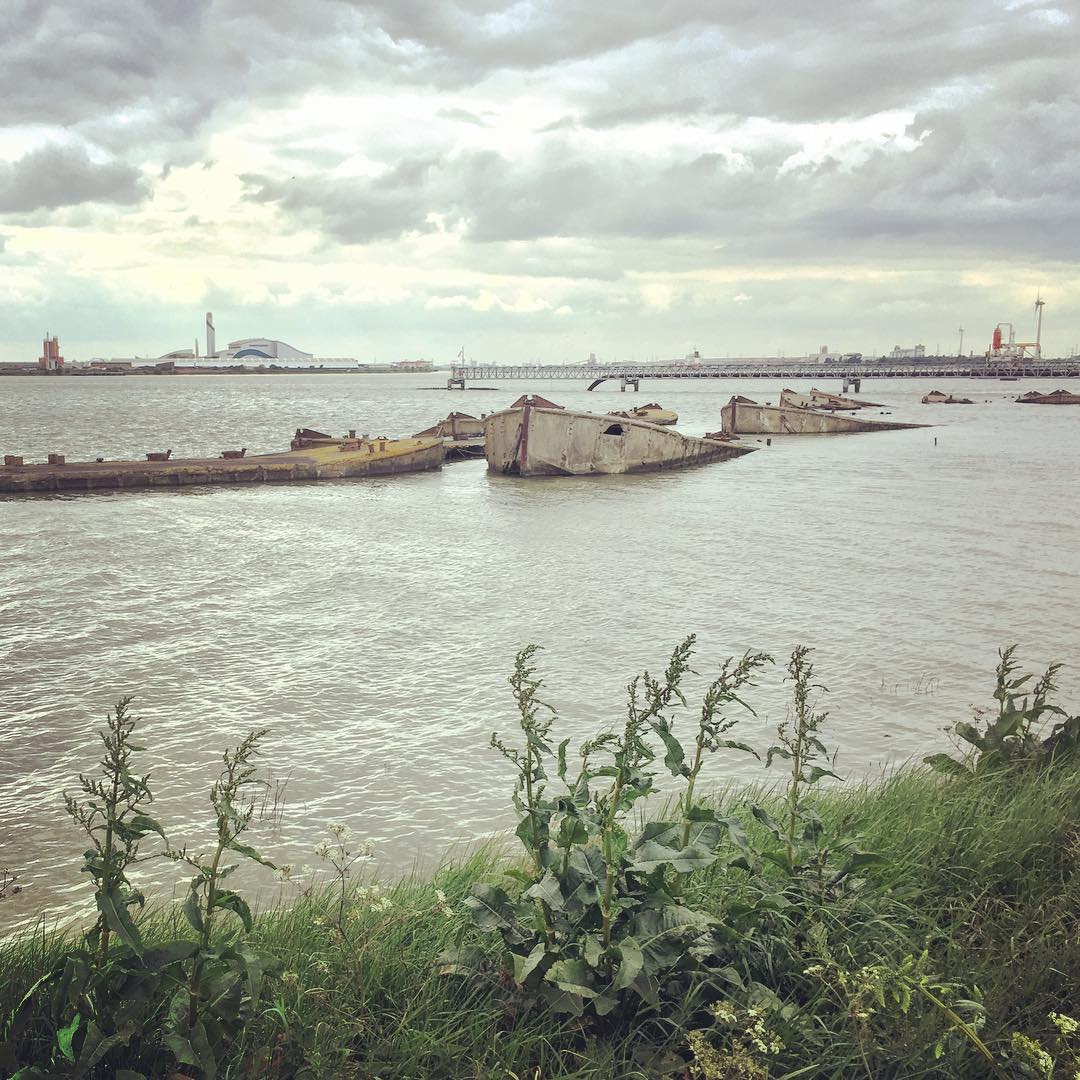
{"points": [[538, 181]]}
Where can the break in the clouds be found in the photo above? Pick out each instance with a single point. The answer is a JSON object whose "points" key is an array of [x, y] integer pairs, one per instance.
{"points": [[543, 179]]}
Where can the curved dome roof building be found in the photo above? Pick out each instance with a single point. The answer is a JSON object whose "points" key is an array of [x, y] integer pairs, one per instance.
{"points": [[264, 349]]}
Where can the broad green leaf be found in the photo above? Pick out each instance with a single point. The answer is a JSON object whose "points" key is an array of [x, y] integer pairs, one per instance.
{"points": [[461, 960], [856, 860], [143, 824], [766, 819], [592, 950], [816, 773], [192, 907], [490, 907], [631, 965], [547, 891], [572, 831], [161, 956], [776, 751], [562, 759], [942, 763], [736, 833], [572, 976], [561, 1001], [705, 830], [524, 966], [779, 858], [675, 756], [66, 1035], [119, 920], [732, 744], [251, 853], [254, 963], [661, 934], [604, 1004], [969, 733], [650, 855], [96, 1045], [584, 872], [234, 902]]}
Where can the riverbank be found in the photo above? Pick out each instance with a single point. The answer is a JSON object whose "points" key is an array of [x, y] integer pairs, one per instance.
{"points": [[978, 881]]}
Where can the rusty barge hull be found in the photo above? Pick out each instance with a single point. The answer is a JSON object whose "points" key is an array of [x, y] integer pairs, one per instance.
{"points": [[383, 457], [741, 416], [538, 441]]}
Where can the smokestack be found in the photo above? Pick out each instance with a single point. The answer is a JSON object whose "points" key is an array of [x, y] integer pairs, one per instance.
{"points": [[211, 345]]}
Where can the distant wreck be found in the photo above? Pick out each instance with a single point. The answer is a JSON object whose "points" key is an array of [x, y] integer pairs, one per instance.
{"points": [[653, 414], [536, 437], [936, 397], [462, 436], [819, 399], [1055, 397], [742, 416]]}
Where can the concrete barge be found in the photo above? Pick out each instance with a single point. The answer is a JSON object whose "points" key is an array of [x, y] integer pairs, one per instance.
{"points": [[345, 460], [536, 437], [741, 416]]}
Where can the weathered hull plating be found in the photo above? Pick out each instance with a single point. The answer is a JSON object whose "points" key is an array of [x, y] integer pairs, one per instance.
{"points": [[534, 441], [377, 457], [741, 416], [1055, 397], [819, 399]]}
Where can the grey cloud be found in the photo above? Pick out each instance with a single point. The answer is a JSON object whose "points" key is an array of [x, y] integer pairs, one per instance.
{"points": [[54, 176], [994, 178], [143, 78]]}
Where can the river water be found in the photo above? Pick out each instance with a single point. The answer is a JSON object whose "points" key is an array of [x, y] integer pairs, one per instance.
{"points": [[371, 625]]}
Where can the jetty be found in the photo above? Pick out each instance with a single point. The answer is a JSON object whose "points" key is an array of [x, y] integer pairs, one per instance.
{"points": [[630, 375], [345, 459]]}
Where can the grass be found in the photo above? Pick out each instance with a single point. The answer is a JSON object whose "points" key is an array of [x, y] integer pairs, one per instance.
{"points": [[982, 874]]}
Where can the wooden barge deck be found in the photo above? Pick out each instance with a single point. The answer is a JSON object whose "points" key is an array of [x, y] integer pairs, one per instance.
{"points": [[374, 457]]}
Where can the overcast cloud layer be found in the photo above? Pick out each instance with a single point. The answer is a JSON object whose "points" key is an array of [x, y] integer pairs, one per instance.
{"points": [[537, 180]]}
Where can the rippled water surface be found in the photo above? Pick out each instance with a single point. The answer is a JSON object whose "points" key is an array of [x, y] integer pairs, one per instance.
{"points": [[371, 625]]}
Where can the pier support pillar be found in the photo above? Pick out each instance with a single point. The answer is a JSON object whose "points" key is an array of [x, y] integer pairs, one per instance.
{"points": [[629, 380], [457, 381], [854, 382]]}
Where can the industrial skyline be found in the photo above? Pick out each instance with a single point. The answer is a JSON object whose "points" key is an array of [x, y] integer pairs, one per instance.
{"points": [[542, 182]]}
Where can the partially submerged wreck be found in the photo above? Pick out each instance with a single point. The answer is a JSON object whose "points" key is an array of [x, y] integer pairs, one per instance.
{"points": [[323, 458], [536, 437], [1055, 397], [742, 416], [937, 397], [462, 436], [819, 399], [653, 414]]}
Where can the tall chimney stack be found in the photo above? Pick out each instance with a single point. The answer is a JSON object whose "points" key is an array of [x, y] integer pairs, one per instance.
{"points": [[211, 345]]}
